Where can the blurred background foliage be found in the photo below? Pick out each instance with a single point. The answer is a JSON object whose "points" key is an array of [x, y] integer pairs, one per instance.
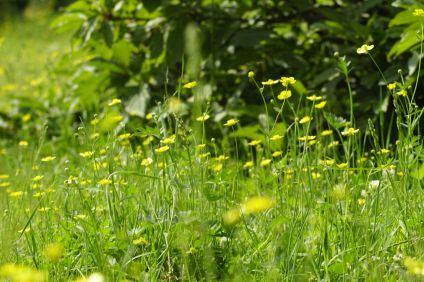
{"points": [[143, 51]]}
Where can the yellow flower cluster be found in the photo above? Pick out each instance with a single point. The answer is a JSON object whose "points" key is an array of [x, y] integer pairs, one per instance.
{"points": [[251, 206]]}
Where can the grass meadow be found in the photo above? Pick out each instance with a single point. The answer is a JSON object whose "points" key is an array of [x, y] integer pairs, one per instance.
{"points": [[311, 197]]}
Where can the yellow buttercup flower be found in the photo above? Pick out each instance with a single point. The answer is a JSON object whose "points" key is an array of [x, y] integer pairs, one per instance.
{"points": [[418, 13], [48, 159], [314, 98], [162, 149], [169, 140], [285, 81], [401, 93], [54, 252], [115, 102], [307, 138], [104, 182], [87, 154], [265, 162], [320, 105], [276, 137], [277, 154], [140, 241], [231, 122], [391, 86], [203, 118], [23, 143], [285, 94], [326, 132], [251, 74], [190, 85], [248, 164], [254, 142], [350, 131], [270, 82], [146, 162], [25, 118], [256, 205], [364, 49], [305, 119]]}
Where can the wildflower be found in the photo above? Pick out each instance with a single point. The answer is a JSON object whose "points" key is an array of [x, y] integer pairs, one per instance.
{"points": [[190, 85], [320, 105], [270, 82], [265, 162], [25, 118], [326, 132], [104, 182], [146, 162], [148, 140], [328, 162], [54, 252], [418, 13], [162, 149], [18, 273], [140, 241], [231, 122], [203, 118], [315, 175], [23, 143], [200, 146], [124, 136], [221, 158], [402, 93], [256, 205], [16, 194], [285, 81], [114, 102], [314, 98], [94, 121], [217, 167], [277, 154], [94, 277], [149, 116], [254, 142], [364, 49], [4, 184], [285, 94], [414, 266], [374, 184], [307, 138], [391, 86], [383, 151], [350, 131], [251, 74], [37, 178], [87, 154], [305, 119], [333, 144], [276, 137], [48, 159], [4, 176], [168, 140], [342, 165], [361, 201], [248, 164], [232, 216]]}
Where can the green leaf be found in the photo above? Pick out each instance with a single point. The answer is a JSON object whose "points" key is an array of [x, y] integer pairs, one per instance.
{"points": [[409, 39], [418, 173], [122, 51]]}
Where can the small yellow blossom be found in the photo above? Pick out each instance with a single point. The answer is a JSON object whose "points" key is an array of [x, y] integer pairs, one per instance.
{"points": [[140, 241], [276, 137], [285, 81], [285, 94], [342, 165], [364, 49], [25, 118], [146, 162], [18, 273], [169, 140], [203, 118], [391, 86], [23, 143], [418, 13], [149, 116], [124, 136], [190, 85], [162, 149], [48, 159], [221, 158], [231, 122], [270, 82], [315, 175], [4, 176], [305, 119], [307, 138], [16, 194], [248, 164], [265, 162], [384, 151], [256, 205], [333, 144], [326, 132], [350, 131], [94, 121], [277, 154], [328, 162], [104, 182], [254, 142], [251, 74], [54, 252], [402, 93], [361, 201], [320, 105], [200, 146], [37, 178], [87, 154], [314, 98], [217, 167], [232, 216], [115, 102]]}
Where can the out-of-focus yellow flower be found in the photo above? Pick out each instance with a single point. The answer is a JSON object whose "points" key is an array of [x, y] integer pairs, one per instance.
{"points": [[257, 204], [314, 98], [402, 92], [104, 182], [231, 122], [277, 154], [285, 81], [190, 85], [140, 241], [114, 102], [251, 74], [350, 131], [23, 143], [48, 159], [418, 13], [169, 140], [285, 94], [326, 132], [254, 142], [37, 178], [320, 105], [307, 138], [270, 82], [265, 162], [248, 164], [232, 216], [94, 277], [146, 162], [391, 86], [203, 118], [25, 118], [54, 252], [217, 167], [18, 273], [364, 49], [305, 119], [162, 149], [86, 154], [276, 137]]}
